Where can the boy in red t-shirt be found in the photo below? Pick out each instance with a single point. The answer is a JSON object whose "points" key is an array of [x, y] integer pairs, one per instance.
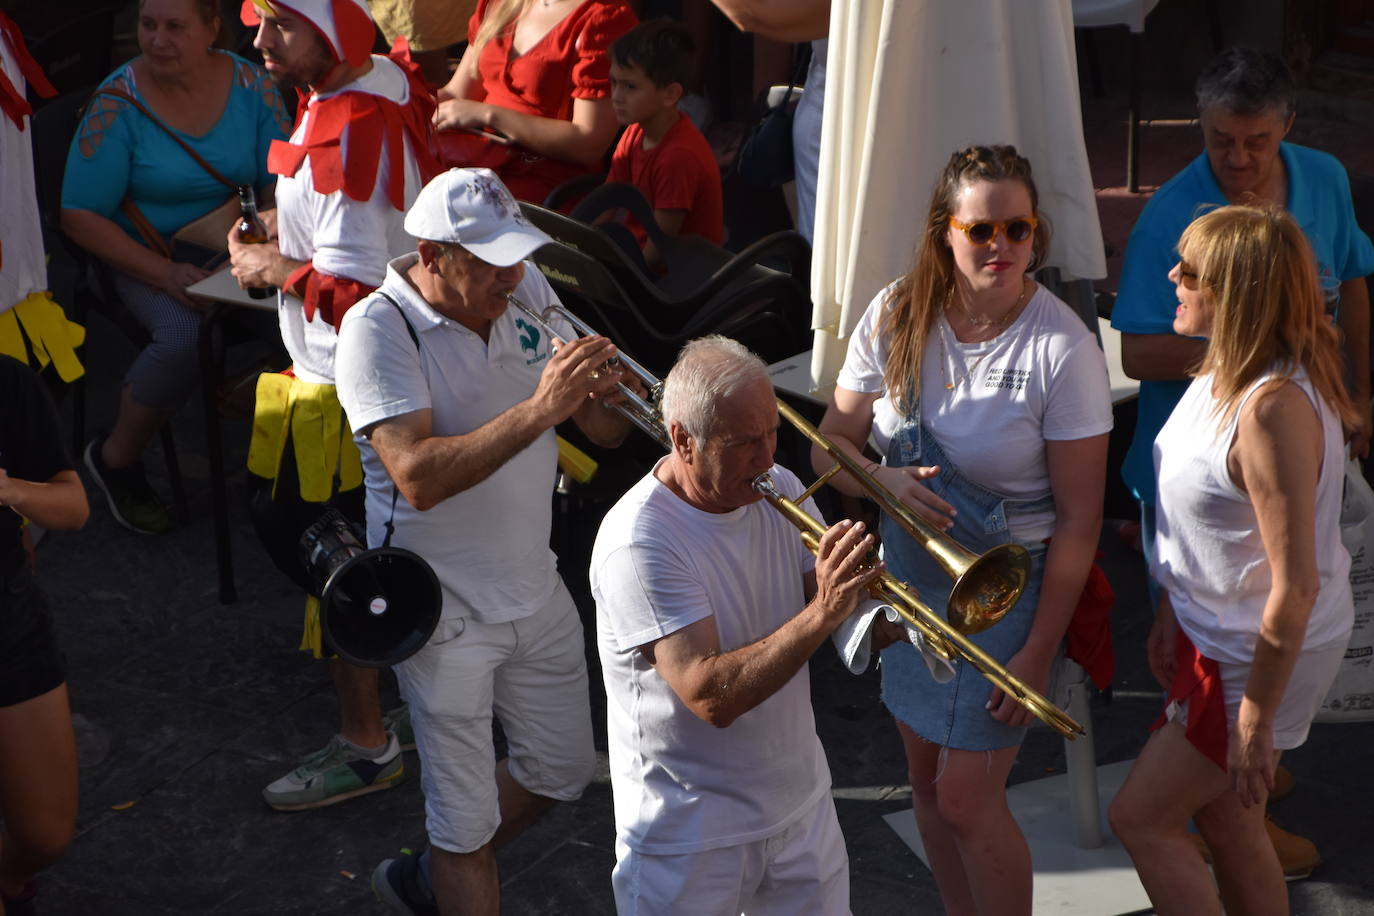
{"points": [[661, 152]]}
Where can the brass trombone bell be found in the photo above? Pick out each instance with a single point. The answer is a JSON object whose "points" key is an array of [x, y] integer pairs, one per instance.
{"points": [[985, 587]]}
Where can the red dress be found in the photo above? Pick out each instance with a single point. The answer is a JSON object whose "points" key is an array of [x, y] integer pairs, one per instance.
{"points": [[680, 173], [571, 62]]}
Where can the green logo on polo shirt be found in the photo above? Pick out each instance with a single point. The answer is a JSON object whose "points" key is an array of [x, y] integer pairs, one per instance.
{"points": [[529, 341]]}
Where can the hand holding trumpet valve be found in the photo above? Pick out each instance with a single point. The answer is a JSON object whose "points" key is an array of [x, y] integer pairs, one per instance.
{"points": [[578, 370]]}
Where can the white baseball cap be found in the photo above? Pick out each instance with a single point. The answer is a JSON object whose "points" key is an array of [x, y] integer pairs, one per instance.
{"points": [[472, 208]]}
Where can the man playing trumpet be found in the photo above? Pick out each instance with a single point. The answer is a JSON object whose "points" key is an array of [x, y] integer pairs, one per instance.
{"points": [[708, 607], [454, 399]]}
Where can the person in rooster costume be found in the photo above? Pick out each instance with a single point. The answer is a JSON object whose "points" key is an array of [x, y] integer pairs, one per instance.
{"points": [[359, 154]]}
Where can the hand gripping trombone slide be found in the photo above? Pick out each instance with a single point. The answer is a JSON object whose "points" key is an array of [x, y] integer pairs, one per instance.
{"points": [[985, 586]]}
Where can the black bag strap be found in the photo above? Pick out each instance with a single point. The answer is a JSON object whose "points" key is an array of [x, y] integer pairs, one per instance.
{"points": [[395, 490]]}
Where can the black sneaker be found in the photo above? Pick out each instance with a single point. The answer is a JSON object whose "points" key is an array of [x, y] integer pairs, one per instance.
{"points": [[396, 882], [132, 501]]}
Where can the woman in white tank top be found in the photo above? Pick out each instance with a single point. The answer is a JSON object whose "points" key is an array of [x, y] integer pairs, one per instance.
{"points": [[1257, 608]]}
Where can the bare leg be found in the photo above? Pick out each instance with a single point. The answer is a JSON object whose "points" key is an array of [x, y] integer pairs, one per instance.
{"points": [[923, 766], [38, 786], [1247, 868], [972, 798], [519, 806], [359, 705], [1170, 782], [467, 883], [134, 428]]}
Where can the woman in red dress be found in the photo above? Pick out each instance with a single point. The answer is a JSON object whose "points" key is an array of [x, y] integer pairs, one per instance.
{"points": [[531, 98]]}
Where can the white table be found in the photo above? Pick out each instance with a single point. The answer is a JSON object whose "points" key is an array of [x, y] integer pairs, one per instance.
{"points": [[222, 287]]}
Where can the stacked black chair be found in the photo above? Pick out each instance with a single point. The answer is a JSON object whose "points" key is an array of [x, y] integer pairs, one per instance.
{"points": [[758, 296]]}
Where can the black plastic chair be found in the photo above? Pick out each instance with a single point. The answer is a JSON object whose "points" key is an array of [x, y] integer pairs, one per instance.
{"points": [[693, 267], [707, 290], [773, 325]]}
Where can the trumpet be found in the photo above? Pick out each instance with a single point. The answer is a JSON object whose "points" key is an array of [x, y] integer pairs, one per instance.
{"points": [[641, 411], [986, 586], [982, 583]]}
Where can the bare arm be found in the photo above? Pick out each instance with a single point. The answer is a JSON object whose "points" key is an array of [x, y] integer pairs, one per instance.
{"points": [[428, 469], [465, 82], [105, 239], [670, 221], [780, 20], [720, 687], [1354, 320], [57, 503], [847, 422], [1276, 458], [1160, 357], [1078, 474], [584, 139]]}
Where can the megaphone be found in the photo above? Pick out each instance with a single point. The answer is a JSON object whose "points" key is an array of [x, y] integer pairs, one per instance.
{"points": [[377, 607]]}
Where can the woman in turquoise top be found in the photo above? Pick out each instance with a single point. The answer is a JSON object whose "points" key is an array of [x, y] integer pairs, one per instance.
{"points": [[229, 112]]}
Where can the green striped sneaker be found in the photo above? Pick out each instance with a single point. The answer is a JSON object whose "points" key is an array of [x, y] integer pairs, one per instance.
{"points": [[335, 773]]}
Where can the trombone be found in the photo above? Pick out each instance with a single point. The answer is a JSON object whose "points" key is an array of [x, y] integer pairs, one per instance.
{"points": [[941, 637], [987, 586]]}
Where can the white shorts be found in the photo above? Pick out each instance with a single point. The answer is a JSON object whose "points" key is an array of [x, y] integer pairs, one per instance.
{"points": [[532, 674], [1307, 686], [802, 869]]}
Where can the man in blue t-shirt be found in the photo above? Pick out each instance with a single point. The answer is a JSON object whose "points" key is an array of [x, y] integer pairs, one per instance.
{"points": [[1246, 101]]}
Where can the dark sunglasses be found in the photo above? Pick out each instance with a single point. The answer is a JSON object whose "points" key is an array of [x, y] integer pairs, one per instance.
{"points": [[1187, 275], [984, 232]]}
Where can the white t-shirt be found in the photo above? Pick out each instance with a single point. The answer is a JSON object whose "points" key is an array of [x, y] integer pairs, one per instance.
{"points": [[24, 269], [1043, 378], [489, 544], [1208, 551], [339, 235], [659, 564]]}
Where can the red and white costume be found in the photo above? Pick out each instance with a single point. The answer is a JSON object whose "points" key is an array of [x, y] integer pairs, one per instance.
{"points": [[33, 328], [356, 159]]}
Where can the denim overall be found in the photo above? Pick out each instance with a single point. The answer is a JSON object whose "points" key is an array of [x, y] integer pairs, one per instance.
{"points": [[954, 714]]}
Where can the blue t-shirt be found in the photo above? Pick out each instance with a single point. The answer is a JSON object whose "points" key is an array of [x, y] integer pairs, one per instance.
{"points": [[1318, 198], [117, 150]]}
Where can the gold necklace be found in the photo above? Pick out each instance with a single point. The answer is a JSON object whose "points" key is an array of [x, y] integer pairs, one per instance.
{"points": [[950, 384], [982, 321]]}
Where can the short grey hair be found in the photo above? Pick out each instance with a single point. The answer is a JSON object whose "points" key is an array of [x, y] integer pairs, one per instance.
{"points": [[708, 370], [1247, 82]]}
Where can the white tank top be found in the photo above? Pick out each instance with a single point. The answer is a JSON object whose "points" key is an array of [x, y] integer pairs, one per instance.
{"points": [[1208, 552]]}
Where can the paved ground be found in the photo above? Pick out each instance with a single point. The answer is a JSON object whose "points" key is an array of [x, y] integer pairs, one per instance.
{"points": [[189, 707]]}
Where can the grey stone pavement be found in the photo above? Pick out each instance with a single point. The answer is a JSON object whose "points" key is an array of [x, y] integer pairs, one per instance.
{"points": [[188, 707]]}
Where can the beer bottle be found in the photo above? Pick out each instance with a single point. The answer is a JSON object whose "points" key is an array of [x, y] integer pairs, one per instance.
{"points": [[253, 231]]}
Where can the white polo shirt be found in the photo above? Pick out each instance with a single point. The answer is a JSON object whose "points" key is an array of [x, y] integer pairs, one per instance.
{"points": [[489, 545]]}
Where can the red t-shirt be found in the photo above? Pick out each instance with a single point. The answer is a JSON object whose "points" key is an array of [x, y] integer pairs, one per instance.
{"points": [[680, 173], [571, 62]]}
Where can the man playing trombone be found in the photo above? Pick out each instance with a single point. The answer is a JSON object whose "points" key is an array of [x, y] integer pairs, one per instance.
{"points": [[708, 607], [454, 399]]}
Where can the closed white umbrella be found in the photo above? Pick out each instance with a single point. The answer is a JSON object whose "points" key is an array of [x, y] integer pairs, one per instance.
{"points": [[909, 82]]}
